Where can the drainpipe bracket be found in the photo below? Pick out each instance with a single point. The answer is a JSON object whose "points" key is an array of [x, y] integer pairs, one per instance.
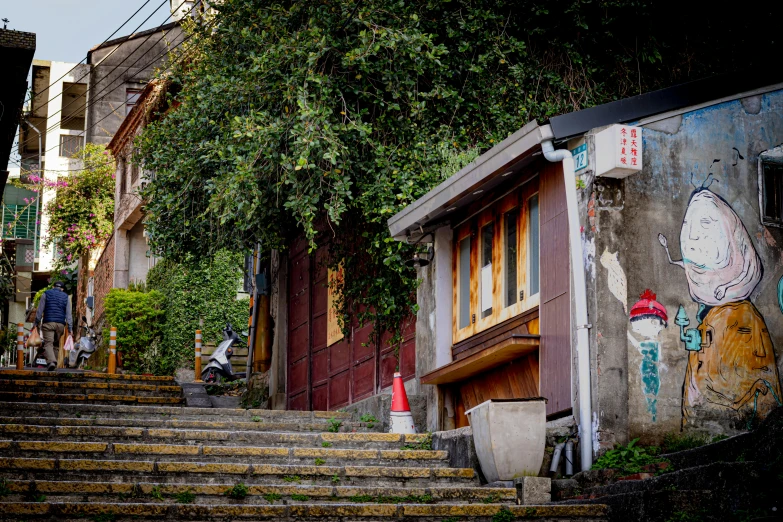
{"points": [[587, 326]]}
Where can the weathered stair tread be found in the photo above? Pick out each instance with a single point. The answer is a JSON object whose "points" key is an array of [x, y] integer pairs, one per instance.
{"points": [[302, 511], [86, 387], [216, 493], [227, 438], [92, 397], [65, 375], [165, 422], [222, 453], [51, 468], [59, 408]]}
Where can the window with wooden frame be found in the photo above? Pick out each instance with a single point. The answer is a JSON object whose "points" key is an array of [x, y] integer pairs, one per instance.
{"points": [[496, 262]]}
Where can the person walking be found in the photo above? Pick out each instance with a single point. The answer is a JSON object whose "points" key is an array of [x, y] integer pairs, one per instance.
{"points": [[54, 308]]}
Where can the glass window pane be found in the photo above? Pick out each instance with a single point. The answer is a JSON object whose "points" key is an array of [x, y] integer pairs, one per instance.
{"points": [[464, 282], [487, 234], [533, 236], [773, 192], [511, 257]]}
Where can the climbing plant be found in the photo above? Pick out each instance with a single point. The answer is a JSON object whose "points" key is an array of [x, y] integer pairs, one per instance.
{"points": [[82, 212], [197, 289], [325, 118]]}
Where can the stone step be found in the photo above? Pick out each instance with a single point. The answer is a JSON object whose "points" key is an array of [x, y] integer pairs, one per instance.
{"points": [[90, 387], [185, 472], [94, 398], [225, 438], [61, 408], [304, 512], [78, 375], [246, 424], [221, 453], [64, 491]]}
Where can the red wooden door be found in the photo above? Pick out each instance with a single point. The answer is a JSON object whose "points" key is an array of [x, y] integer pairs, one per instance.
{"points": [[299, 328], [325, 377]]}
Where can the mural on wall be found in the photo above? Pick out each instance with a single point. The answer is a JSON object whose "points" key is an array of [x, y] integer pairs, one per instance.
{"points": [[648, 318], [617, 282], [731, 361]]}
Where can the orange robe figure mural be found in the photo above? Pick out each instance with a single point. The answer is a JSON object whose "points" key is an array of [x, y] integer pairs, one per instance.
{"points": [[735, 367], [732, 373]]}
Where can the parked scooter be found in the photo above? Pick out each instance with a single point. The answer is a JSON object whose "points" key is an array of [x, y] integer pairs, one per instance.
{"points": [[219, 366], [86, 347]]}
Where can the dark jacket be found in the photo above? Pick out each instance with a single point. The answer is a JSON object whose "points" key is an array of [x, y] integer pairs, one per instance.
{"points": [[55, 307]]}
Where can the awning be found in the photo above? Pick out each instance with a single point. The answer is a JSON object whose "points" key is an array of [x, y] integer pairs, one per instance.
{"points": [[497, 166]]}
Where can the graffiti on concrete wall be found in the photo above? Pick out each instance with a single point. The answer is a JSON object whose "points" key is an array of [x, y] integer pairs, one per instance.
{"points": [[616, 277], [648, 318], [731, 362]]}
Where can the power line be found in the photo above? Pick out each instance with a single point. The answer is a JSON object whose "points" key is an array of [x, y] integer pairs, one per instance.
{"points": [[103, 42], [102, 94], [110, 72], [112, 113], [89, 104]]}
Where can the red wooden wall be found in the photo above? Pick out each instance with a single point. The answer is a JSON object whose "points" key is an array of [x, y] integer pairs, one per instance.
{"points": [[324, 377]]}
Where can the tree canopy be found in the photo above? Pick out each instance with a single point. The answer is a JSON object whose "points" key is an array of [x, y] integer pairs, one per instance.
{"points": [[325, 118]]}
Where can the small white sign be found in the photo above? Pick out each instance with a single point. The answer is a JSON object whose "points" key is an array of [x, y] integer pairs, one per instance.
{"points": [[618, 151], [486, 288]]}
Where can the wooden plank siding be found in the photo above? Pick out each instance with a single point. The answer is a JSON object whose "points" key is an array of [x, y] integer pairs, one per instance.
{"points": [[322, 377], [555, 307], [547, 372]]}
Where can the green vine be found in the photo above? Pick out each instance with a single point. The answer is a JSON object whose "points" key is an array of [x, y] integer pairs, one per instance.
{"points": [[323, 119], [205, 289]]}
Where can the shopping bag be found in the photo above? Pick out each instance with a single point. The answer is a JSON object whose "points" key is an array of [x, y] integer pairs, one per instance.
{"points": [[34, 341], [68, 346]]}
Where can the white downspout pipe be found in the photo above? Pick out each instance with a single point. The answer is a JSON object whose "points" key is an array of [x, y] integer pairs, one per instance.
{"points": [[580, 299]]}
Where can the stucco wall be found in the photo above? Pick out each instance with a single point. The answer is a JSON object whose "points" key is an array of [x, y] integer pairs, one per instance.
{"points": [[123, 65], [634, 394]]}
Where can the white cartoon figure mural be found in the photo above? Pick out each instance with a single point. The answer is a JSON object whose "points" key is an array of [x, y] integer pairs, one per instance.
{"points": [[648, 318], [731, 365]]}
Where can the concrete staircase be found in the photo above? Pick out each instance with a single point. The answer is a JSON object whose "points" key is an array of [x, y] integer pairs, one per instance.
{"points": [[104, 459]]}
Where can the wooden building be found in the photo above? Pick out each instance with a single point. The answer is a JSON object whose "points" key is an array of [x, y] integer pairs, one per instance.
{"points": [[503, 227]]}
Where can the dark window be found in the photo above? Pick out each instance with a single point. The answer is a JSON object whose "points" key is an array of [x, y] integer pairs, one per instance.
{"points": [[533, 237], [772, 197], [131, 99], [487, 234], [464, 282], [511, 257], [123, 177], [70, 145]]}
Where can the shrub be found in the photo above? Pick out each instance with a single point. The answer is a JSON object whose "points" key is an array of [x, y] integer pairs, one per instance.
{"points": [[628, 459], [198, 289], [139, 318]]}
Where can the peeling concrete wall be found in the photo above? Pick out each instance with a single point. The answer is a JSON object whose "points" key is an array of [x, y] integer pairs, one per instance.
{"points": [[699, 188]]}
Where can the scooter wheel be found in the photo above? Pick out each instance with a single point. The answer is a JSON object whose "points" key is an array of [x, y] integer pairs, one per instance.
{"points": [[211, 377]]}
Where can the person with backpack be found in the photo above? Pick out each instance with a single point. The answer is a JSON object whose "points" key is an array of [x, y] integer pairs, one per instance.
{"points": [[53, 315]]}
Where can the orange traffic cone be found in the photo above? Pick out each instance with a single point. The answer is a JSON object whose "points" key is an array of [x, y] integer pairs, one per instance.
{"points": [[401, 418]]}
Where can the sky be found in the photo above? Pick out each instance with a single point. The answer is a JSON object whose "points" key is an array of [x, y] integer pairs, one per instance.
{"points": [[66, 29]]}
